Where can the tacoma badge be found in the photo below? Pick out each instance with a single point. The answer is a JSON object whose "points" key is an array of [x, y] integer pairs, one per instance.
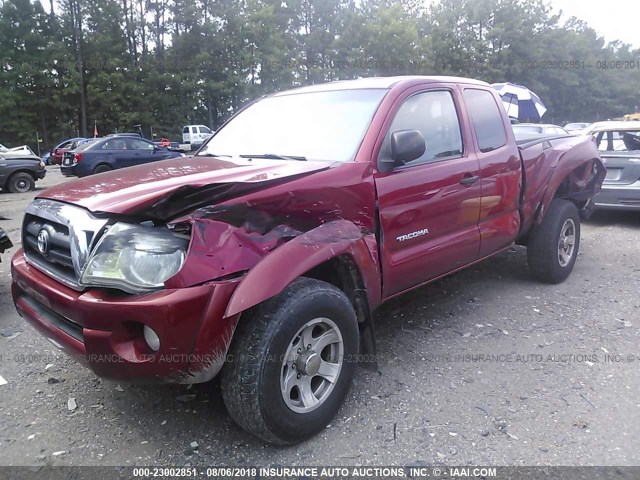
{"points": [[409, 236]]}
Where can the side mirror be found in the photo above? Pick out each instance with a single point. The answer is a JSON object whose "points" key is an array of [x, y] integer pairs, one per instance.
{"points": [[407, 145]]}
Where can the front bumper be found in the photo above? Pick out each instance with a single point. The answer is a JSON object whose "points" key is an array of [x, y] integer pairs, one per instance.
{"points": [[41, 173], [103, 329], [618, 197]]}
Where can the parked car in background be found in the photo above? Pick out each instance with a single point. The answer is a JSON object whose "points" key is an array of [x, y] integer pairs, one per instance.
{"points": [[22, 151], [619, 146], [530, 131], [5, 243], [56, 153], [110, 153], [574, 127], [263, 257], [19, 173], [166, 143], [196, 135], [125, 134]]}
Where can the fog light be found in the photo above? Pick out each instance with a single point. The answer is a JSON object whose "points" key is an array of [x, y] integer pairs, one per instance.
{"points": [[151, 338]]}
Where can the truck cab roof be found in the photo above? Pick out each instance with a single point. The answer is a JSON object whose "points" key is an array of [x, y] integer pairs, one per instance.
{"points": [[385, 83]]}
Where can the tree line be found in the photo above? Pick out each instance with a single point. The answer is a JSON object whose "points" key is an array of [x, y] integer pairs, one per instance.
{"points": [[71, 64]]}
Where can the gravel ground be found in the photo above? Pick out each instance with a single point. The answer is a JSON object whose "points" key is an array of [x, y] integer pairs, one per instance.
{"points": [[561, 389]]}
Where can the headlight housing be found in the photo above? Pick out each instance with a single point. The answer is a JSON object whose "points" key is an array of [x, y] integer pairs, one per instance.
{"points": [[134, 258]]}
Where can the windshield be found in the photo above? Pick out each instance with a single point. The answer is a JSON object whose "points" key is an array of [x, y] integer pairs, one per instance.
{"points": [[313, 126]]}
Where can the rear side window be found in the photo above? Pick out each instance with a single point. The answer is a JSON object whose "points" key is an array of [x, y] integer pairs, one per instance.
{"points": [[194, 129], [115, 144], [486, 118], [138, 144]]}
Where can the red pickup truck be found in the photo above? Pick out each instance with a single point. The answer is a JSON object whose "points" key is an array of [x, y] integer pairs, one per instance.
{"points": [[263, 256]]}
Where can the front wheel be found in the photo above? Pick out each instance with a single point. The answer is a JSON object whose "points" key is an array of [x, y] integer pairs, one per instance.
{"points": [[21, 183], [553, 246], [291, 362]]}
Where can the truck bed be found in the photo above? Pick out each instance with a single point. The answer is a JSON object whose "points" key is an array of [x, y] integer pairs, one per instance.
{"points": [[554, 159]]}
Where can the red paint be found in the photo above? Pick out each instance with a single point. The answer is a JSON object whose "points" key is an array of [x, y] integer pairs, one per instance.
{"points": [[260, 224]]}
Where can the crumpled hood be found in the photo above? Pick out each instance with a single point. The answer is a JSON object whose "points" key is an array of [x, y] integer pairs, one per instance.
{"points": [[130, 190]]}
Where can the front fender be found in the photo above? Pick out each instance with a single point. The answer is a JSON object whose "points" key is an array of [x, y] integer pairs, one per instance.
{"points": [[296, 257]]}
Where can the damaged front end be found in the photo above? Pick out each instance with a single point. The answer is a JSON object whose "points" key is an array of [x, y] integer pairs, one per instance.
{"points": [[154, 292], [257, 244]]}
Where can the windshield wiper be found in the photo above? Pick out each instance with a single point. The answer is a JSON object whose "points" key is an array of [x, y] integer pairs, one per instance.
{"points": [[274, 156], [212, 155]]}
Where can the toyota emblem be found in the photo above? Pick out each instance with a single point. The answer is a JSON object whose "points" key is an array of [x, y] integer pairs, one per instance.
{"points": [[43, 242]]}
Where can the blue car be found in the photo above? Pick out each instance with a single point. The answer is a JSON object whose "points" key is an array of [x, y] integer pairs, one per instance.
{"points": [[104, 154]]}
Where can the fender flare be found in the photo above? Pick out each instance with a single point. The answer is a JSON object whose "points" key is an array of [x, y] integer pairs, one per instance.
{"points": [[296, 257], [588, 184]]}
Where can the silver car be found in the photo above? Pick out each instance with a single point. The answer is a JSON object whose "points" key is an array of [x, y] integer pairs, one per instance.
{"points": [[619, 145], [533, 131]]}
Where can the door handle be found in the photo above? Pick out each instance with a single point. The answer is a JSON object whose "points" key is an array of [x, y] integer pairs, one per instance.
{"points": [[467, 181]]}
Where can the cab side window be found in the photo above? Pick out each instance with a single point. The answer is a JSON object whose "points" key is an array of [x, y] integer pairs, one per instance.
{"points": [[434, 115], [486, 118]]}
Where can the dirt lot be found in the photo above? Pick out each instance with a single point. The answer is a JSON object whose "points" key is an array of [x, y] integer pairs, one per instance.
{"points": [[562, 387]]}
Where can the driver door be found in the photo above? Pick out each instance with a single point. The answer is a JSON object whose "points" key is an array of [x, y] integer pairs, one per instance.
{"points": [[429, 208]]}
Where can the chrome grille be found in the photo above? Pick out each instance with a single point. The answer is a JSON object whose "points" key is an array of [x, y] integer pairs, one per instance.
{"points": [[57, 239], [57, 254]]}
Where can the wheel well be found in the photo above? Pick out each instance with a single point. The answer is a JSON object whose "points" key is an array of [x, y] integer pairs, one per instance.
{"points": [[29, 172], [17, 172], [343, 273], [574, 186], [102, 164]]}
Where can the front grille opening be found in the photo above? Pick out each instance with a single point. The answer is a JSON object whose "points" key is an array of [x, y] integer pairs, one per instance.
{"points": [[57, 256]]}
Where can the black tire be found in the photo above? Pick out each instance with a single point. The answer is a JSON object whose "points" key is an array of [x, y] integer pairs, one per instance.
{"points": [[544, 250], [102, 169], [251, 378], [21, 182]]}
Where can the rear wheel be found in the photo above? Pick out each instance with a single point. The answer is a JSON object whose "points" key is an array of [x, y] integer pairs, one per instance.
{"points": [[102, 169], [292, 362], [553, 246], [21, 182]]}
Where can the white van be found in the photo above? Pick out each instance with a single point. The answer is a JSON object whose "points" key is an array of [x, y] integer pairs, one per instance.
{"points": [[195, 135]]}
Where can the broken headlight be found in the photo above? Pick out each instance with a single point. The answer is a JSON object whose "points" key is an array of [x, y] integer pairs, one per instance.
{"points": [[134, 258]]}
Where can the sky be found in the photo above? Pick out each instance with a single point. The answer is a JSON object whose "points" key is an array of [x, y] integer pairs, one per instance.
{"points": [[612, 19]]}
